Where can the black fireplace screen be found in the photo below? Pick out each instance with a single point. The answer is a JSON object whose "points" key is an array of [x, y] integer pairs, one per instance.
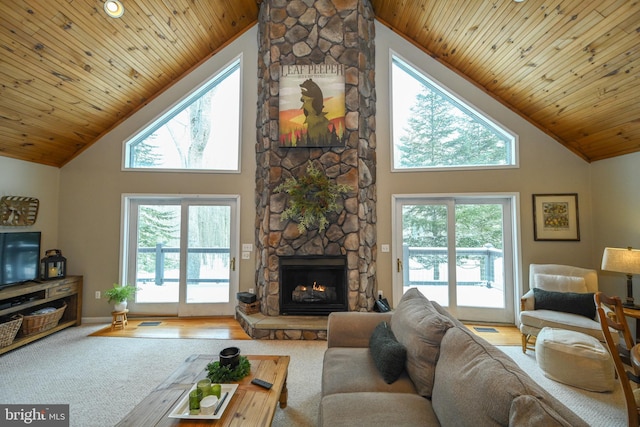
{"points": [[313, 285]]}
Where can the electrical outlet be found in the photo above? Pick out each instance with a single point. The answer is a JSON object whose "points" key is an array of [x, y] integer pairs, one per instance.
{"points": [[246, 255], [98, 295], [380, 294]]}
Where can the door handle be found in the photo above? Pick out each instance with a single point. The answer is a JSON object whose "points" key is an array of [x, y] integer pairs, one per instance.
{"points": [[399, 264], [233, 264]]}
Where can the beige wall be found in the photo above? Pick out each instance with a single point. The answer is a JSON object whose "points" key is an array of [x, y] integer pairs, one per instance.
{"points": [[616, 212], [19, 178], [545, 167], [91, 186]]}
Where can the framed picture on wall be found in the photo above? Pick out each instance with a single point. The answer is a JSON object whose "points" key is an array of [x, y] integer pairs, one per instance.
{"points": [[555, 217], [312, 105]]}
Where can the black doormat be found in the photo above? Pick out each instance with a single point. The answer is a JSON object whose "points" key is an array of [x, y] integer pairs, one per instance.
{"points": [[483, 329], [149, 323]]}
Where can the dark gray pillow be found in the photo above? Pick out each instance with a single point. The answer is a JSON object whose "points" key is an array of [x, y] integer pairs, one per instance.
{"points": [[567, 302], [387, 353]]}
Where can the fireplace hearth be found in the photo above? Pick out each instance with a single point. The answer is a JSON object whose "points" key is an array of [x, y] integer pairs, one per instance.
{"points": [[313, 285]]}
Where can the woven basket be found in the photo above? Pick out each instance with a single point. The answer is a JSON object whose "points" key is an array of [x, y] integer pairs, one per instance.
{"points": [[8, 330], [42, 322]]}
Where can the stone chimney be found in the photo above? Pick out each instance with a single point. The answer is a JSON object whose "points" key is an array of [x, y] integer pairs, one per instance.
{"points": [[304, 32]]}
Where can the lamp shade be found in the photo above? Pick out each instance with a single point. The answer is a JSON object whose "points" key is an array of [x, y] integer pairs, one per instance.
{"points": [[621, 260]]}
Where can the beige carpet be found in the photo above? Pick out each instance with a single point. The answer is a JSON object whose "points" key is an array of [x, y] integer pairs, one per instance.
{"points": [[103, 378]]}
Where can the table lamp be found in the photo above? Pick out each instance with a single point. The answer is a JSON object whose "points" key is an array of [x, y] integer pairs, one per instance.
{"points": [[625, 261]]}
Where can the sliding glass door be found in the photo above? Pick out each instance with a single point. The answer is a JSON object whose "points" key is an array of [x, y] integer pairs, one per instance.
{"points": [[180, 253], [457, 251]]}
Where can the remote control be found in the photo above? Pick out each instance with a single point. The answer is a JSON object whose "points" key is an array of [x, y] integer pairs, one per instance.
{"points": [[261, 383]]}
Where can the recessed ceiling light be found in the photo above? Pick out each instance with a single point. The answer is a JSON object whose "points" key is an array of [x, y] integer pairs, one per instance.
{"points": [[113, 8]]}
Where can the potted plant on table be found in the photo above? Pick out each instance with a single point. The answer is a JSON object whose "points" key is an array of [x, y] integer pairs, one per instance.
{"points": [[119, 295]]}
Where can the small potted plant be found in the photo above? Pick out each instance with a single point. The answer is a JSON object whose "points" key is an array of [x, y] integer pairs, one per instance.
{"points": [[120, 295]]}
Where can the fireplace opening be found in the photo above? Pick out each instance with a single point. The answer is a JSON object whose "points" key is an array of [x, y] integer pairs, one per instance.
{"points": [[313, 285]]}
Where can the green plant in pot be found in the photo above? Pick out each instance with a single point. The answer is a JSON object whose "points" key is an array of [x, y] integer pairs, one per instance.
{"points": [[119, 295]]}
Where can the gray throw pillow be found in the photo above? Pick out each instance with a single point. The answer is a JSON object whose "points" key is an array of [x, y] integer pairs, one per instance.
{"points": [[567, 302], [388, 354], [419, 327]]}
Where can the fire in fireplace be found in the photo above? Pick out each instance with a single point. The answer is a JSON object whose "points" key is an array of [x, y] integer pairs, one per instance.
{"points": [[313, 285]]}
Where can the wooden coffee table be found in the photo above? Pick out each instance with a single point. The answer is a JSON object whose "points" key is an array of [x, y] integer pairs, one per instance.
{"points": [[250, 405]]}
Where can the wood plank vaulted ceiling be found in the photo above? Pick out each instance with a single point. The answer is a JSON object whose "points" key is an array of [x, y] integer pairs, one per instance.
{"points": [[70, 74]]}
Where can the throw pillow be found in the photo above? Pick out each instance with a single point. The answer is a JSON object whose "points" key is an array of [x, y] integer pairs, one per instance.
{"points": [[567, 302], [387, 353], [559, 283], [420, 328]]}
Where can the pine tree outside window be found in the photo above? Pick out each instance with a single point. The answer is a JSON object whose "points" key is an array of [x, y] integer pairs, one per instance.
{"points": [[433, 129], [200, 133]]}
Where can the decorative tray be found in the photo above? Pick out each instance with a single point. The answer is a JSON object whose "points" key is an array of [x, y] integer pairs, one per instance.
{"points": [[181, 410]]}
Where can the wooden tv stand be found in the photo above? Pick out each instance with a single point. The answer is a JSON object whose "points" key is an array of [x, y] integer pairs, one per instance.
{"points": [[28, 297]]}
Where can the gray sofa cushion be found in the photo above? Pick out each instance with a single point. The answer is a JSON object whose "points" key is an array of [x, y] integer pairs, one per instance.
{"points": [[376, 409], [475, 384], [419, 327], [347, 370], [388, 354], [528, 411]]}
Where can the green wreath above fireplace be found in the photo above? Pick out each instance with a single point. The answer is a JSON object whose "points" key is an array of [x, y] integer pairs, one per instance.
{"points": [[311, 198]]}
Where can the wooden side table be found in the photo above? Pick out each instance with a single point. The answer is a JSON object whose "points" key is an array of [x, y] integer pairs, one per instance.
{"points": [[119, 319], [634, 313]]}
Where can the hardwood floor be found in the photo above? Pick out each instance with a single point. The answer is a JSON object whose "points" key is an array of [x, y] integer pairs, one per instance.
{"points": [[175, 327], [497, 334], [229, 328]]}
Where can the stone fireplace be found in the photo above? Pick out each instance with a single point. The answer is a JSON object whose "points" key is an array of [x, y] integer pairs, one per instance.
{"points": [[304, 32], [313, 285]]}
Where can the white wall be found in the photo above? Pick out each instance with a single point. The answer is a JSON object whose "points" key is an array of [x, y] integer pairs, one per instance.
{"points": [[19, 178], [616, 213], [93, 183]]}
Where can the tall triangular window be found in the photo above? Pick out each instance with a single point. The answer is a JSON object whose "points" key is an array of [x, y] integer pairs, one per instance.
{"points": [[433, 129], [200, 133]]}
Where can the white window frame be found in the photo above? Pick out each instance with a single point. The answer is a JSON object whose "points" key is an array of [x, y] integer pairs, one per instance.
{"points": [[455, 99], [128, 251], [167, 114], [513, 271]]}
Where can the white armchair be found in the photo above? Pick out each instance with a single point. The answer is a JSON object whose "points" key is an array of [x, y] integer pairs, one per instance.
{"points": [[557, 278]]}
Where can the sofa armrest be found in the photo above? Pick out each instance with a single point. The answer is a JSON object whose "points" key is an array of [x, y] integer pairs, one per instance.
{"points": [[353, 328], [527, 302]]}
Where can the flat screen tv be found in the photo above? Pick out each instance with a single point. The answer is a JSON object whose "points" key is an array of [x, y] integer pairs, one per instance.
{"points": [[19, 257]]}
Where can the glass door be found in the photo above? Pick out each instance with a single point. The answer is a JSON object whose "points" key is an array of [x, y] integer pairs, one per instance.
{"points": [[458, 252], [181, 255]]}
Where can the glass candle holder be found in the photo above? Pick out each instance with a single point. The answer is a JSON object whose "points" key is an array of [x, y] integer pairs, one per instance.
{"points": [[195, 396]]}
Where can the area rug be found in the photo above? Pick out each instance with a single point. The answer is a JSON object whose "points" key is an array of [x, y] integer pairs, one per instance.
{"points": [[598, 409]]}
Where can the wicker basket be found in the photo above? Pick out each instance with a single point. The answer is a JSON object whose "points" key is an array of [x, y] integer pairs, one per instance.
{"points": [[42, 322], [251, 308], [8, 330]]}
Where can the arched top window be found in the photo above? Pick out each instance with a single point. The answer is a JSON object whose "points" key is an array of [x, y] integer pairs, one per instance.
{"points": [[434, 129]]}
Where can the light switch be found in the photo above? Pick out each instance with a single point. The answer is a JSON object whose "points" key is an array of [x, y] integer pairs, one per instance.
{"points": [[384, 248], [247, 247]]}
